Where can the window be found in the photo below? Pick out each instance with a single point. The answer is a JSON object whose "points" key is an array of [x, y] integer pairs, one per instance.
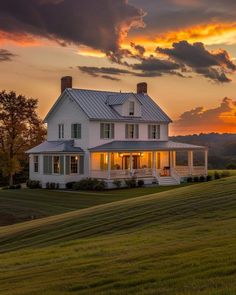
{"points": [[76, 131], [131, 108], [73, 165], [154, 131], [132, 131], [107, 131], [56, 164], [36, 164], [61, 131]]}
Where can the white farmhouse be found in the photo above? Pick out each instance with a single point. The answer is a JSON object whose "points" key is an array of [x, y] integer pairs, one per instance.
{"points": [[109, 135]]}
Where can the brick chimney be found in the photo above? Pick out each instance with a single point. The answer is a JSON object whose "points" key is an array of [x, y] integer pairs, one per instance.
{"points": [[142, 88], [66, 82]]}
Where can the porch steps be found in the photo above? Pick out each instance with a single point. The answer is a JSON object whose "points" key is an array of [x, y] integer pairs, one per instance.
{"points": [[167, 180]]}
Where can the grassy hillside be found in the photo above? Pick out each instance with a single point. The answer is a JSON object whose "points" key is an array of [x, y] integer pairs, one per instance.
{"points": [[22, 205], [181, 241]]}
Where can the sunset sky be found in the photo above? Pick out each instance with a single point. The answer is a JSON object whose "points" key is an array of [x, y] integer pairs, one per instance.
{"points": [[184, 49]]}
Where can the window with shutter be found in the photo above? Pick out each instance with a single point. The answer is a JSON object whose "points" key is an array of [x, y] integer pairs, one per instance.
{"points": [[154, 131], [131, 131], [76, 131], [107, 131]]}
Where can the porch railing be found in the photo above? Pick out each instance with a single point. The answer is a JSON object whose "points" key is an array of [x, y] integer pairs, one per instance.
{"points": [[186, 170]]}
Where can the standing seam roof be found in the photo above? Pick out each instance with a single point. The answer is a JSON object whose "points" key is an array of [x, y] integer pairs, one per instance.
{"points": [[94, 104]]}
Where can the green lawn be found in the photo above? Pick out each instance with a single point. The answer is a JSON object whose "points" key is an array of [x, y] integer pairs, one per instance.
{"points": [[179, 242], [22, 205]]}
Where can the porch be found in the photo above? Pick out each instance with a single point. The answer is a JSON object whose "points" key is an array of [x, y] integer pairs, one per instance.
{"points": [[146, 164]]}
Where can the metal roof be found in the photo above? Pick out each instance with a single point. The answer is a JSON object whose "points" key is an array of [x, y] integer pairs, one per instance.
{"points": [[123, 146], [47, 147], [95, 105], [119, 98]]}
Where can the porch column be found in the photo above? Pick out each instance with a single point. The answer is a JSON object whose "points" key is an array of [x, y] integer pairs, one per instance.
{"points": [[206, 162], [131, 164], [190, 162], [109, 165], [154, 163], [174, 159]]}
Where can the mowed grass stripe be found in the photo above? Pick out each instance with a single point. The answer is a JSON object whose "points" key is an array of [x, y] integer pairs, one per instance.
{"points": [[162, 208]]}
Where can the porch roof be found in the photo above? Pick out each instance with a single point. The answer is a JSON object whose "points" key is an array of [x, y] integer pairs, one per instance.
{"points": [[123, 146], [61, 146]]}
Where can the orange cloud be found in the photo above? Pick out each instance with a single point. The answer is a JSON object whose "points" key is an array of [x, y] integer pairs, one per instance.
{"points": [[221, 119], [19, 39], [209, 34]]}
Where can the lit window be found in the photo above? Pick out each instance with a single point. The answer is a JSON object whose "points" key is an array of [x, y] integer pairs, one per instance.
{"points": [[61, 131], [36, 164], [56, 164], [74, 165]]}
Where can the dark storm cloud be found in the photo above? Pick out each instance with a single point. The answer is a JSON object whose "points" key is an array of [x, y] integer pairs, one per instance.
{"points": [[98, 24], [167, 15], [6, 55], [103, 72], [212, 65]]}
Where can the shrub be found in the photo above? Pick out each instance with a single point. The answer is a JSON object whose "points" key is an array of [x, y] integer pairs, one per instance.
{"points": [[196, 179], [117, 183], [89, 184], [131, 183], [231, 166], [69, 185], [217, 175], [225, 174], [16, 186], [33, 184], [52, 185], [209, 178], [202, 178], [140, 183], [189, 179], [100, 186]]}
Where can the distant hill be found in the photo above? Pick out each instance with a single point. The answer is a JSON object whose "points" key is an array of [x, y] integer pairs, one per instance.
{"points": [[222, 148]]}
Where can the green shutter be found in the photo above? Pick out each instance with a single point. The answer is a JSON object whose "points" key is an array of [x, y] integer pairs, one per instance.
{"points": [[72, 131], [102, 130], [158, 131], [112, 131], [150, 131], [126, 131], [67, 165], [79, 131], [45, 165], [102, 161], [61, 165], [136, 131], [50, 165], [81, 165]]}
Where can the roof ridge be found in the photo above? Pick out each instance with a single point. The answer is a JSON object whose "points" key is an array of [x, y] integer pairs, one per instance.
{"points": [[96, 90]]}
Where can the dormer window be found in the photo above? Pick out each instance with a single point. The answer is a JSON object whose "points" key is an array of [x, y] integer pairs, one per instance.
{"points": [[131, 108]]}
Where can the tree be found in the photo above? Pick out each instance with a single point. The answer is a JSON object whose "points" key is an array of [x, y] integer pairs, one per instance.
{"points": [[20, 129]]}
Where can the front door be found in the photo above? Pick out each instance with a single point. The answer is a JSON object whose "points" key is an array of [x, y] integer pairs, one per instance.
{"points": [[126, 162]]}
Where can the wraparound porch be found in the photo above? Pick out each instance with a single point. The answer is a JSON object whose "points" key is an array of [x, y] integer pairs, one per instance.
{"points": [[145, 164]]}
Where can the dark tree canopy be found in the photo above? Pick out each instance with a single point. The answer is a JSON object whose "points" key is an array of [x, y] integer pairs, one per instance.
{"points": [[20, 129]]}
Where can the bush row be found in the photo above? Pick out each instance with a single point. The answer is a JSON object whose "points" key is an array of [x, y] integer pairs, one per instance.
{"points": [[130, 183], [33, 184], [91, 184]]}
